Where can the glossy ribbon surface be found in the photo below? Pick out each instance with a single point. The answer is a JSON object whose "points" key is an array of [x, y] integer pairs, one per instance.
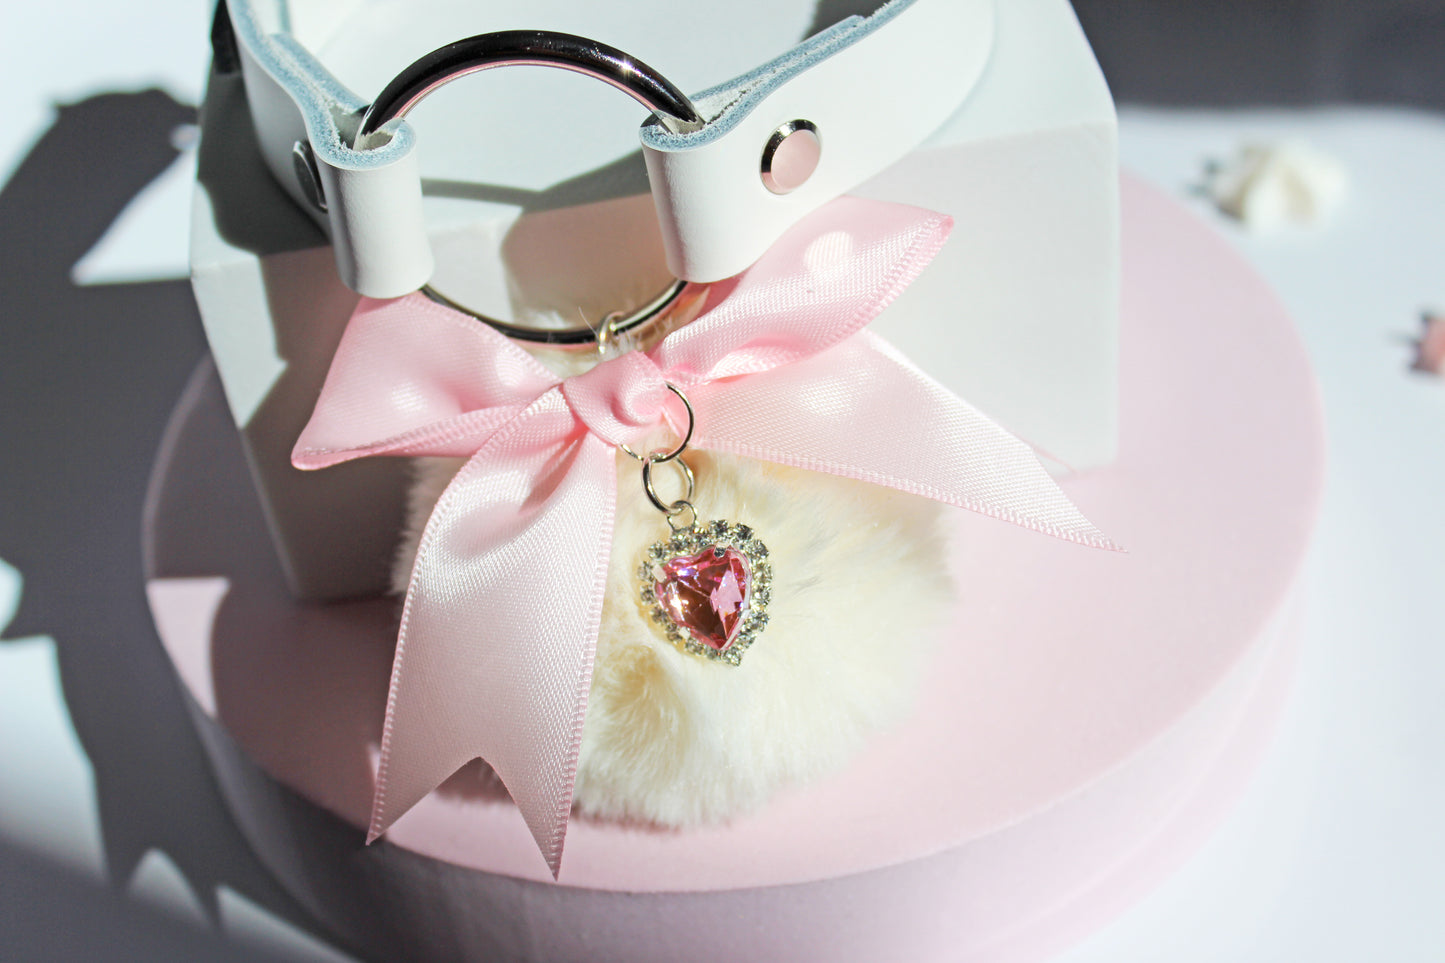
{"points": [[494, 656]]}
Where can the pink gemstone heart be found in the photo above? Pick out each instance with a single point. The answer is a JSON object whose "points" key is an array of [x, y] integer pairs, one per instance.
{"points": [[707, 594]]}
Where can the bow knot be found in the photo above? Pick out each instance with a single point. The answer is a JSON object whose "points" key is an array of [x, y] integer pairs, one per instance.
{"points": [[499, 628], [619, 400]]}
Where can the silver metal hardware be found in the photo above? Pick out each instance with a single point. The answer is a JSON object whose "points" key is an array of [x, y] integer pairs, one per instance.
{"points": [[545, 49], [674, 519], [614, 326], [663, 455], [538, 48], [673, 508], [791, 156], [308, 177]]}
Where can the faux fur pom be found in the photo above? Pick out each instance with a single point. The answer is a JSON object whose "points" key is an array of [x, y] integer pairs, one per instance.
{"points": [[859, 583]]}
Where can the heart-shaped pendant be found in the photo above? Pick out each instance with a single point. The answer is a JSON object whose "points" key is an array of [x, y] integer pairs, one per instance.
{"points": [[708, 587]]}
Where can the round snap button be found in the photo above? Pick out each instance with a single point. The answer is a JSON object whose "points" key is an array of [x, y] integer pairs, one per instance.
{"points": [[791, 156]]}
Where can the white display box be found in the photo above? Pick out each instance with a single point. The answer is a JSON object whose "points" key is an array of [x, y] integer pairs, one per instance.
{"points": [[537, 205]]}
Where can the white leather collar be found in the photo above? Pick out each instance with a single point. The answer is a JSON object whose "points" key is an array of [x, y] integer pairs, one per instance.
{"points": [[874, 87]]}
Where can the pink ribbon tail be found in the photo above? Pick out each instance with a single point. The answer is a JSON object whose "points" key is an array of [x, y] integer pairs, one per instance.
{"points": [[511, 683]]}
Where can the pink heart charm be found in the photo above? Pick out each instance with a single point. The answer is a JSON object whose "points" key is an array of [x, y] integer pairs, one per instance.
{"points": [[707, 594], [708, 588]]}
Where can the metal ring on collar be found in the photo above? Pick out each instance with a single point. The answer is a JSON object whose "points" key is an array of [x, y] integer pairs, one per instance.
{"points": [[613, 326], [542, 48], [547, 49]]}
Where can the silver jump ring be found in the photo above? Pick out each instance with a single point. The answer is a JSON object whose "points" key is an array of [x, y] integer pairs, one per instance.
{"points": [[660, 456], [541, 48], [672, 517], [668, 508]]}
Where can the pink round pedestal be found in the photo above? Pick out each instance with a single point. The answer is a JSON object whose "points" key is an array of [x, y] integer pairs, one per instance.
{"points": [[1089, 717]]}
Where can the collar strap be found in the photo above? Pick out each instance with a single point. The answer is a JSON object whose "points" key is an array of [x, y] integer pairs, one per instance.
{"points": [[773, 145]]}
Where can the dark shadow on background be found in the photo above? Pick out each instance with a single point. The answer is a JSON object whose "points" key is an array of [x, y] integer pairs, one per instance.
{"points": [[88, 375], [1250, 53], [55, 915]]}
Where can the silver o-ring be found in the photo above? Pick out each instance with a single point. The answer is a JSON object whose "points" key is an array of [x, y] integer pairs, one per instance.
{"points": [[545, 49], [662, 455], [668, 508]]}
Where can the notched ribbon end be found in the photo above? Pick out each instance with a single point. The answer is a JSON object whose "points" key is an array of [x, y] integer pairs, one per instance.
{"points": [[313, 459], [1082, 530], [1105, 543]]}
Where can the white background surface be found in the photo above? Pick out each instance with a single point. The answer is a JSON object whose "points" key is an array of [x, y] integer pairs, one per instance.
{"points": [[1335, 853]]}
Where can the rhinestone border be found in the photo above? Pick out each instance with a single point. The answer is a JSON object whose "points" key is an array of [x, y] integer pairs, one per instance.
{"points": [[688, 541]]}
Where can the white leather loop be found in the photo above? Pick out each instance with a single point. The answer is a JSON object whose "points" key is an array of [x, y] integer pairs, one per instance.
{"points": [[373, 209], [875, 87]]}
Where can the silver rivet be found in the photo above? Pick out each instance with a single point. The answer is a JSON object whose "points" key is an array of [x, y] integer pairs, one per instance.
{"points": [[307, 176], [791, 156]]}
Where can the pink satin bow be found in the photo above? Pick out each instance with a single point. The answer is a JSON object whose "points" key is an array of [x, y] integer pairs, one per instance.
{"points": [[494, 656]]}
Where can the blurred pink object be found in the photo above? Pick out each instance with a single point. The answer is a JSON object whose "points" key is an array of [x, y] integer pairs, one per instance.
{"points": [[1430, 349]]}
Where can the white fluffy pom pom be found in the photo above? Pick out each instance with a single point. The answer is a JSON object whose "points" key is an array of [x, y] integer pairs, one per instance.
{"points": [[859, 582]]}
